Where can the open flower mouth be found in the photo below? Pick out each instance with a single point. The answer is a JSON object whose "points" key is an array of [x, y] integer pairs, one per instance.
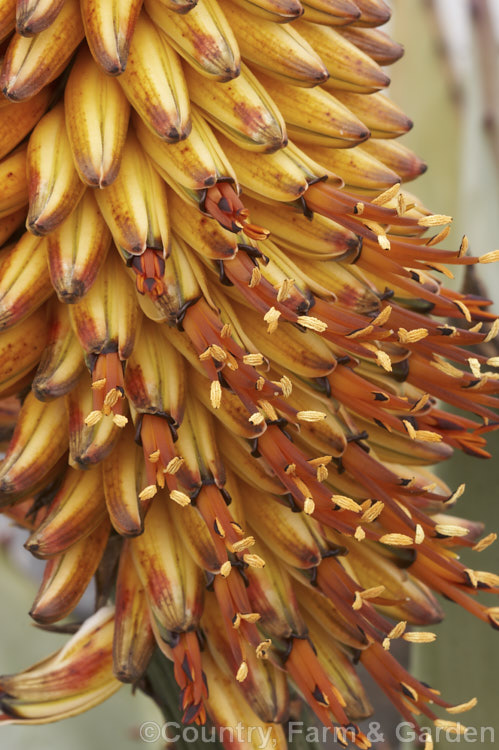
{"points": [[230, 343]]}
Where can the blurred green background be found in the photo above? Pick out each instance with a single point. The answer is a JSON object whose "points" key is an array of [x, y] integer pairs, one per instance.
{"points": [[444, 84]]}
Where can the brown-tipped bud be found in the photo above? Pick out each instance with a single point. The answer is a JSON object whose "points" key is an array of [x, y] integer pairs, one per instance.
{"points": [[154, 376], [320, 608], [133, 642], [123, 477], [288, 55], [204, 235], [19, 118], [24, 279], [331, 12], [62, 359], [134, 205], [359, 170], [280, 11], [76, 510], [106, 319], [67, 576], [96, 140], [172, 580], [30, 64], [109, 31], [372, 12], [287, 534], [53, 182], [38, 442], [242, 109], [154, 83], [383, 118], [13, 182], [412, 600], [198, 539], [396, 157], [350, 69], [271, 595], [315, 116], [76, 257], [203, 37], [197, 446], [21, 347], [7, 18], [375, 43], [195, 163], [82, 664], [33, 16]]}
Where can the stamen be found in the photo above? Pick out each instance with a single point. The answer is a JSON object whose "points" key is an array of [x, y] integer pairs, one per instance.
{"points": [[271, 317], [242, 672], [435, 220], [180, 497], [419, 536], [397, 631], [411, 337], [373, 512], [485, 542], [450, 726], [262, 648], [346, 503], [307, 321], [254, 360], [174, 465], [387, 195], [424, 435], [451, 530], [254, 561], [311, 416], [359, 534], [419, 637], [463, 707], [93, 418], [396, 540], [491, 257], [225, 569], [148, 492], [215, 394]]}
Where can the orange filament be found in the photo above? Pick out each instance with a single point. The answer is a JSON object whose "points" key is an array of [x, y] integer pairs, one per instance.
{"points": [[223, 204], [150, 269], [157, 444], [108, 388], [190, 678]]}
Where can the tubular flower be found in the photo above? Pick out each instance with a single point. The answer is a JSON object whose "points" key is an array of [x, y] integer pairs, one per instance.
{"points": [[226, 320]]}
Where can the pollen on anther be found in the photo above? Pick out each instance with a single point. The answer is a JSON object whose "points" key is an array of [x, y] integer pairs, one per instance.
{"points": [[225, 569], [242, 672], [93, 418], [180, 497], [215, 394], [254, 561], [148, 492], [271, 317]]}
